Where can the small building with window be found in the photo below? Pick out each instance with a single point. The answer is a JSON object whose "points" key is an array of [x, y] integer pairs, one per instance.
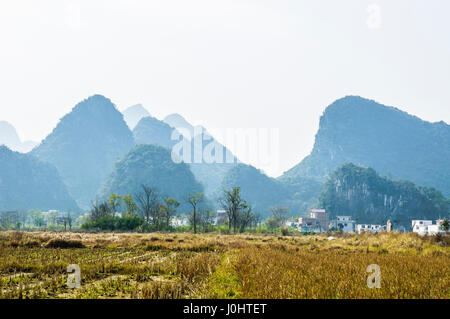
{"points": [[322, 217], [369, 228], [426, 227], [308, 224], [316, 222], [344, 223]]}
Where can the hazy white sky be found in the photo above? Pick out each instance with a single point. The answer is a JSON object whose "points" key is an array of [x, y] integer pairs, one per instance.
{"points": [[235, 63]]}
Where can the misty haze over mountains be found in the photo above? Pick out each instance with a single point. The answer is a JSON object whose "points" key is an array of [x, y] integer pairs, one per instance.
{"points": [[134, 114], [27, 183], [85, 145], [150, 130], [10, 138], [394, 143], [95, 150]]}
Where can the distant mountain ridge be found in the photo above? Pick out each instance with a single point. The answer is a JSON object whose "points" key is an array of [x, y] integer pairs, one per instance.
{"points": [[90, 141], [178, 122], [85, 145], [362, 131], [150, 130], [210, 170], [134, 114], [10, 138], [27, 183]]}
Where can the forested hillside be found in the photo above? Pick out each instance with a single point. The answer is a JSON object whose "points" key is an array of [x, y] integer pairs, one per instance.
{"points": [[369, 198], [393, 142], [85, 145], [27, 183], [152, 166], [264, 192]]}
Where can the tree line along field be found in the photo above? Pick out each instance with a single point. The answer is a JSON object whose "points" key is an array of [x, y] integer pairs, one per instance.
{"points": [[157, 265]]}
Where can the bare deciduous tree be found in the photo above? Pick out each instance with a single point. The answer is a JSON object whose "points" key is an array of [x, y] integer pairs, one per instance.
{"points": [[246, 218], [99, 210], [168, 209], [279, 216], [148, 200], [234, 206]]}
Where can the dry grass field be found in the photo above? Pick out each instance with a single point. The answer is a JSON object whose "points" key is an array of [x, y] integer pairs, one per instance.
{"points": [[125, 265]]}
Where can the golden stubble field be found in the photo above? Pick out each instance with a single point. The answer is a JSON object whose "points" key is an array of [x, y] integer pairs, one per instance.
{"points": [[156, 265]]}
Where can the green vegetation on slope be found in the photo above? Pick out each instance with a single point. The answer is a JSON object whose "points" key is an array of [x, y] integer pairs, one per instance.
{"points": [[363, 194], [263, 192], [198, 151], [152, 131], [361, 131], [151, 165], [85, 145], [27, 183]]}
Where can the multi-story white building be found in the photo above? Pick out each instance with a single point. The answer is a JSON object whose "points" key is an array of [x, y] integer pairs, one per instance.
{"points": [[369, 228], [426, 227]]}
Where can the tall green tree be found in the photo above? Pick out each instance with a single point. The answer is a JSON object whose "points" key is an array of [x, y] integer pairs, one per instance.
{"points": [[130, 205], [114, 202]]}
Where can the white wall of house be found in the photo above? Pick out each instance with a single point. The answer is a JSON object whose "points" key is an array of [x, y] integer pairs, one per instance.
{"points": [[426, 227], [345, 223], [179, 221], [369, 228]]}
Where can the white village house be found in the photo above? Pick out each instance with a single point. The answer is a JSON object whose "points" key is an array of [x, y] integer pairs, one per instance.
{"points": [[426, 227], [318, 221], [369, 228], [344, 223], [179, 221]]}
